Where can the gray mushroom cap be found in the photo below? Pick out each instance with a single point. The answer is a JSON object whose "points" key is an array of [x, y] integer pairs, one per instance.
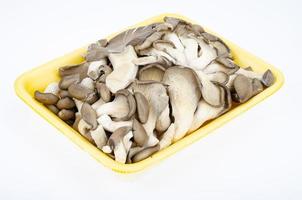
{"points": [[89, 115]]}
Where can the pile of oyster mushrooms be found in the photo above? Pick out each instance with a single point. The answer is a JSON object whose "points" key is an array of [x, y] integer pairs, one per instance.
{"points": [[149, 87]]}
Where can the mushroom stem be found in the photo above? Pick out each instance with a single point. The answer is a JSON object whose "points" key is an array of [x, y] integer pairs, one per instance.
{"points": [[164, 121], [110, 125], [167, 137]]}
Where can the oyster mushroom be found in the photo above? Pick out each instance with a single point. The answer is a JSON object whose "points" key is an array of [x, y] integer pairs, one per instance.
{"points": [[63, 93], [52, 88], [149, 40], [82, 93], [110, 125], [157, 98], [130, 37], [68, 80], [118, 145], [219, 77], [243, 89], [139, 133], [65, 103], [94, 68], [124, 70], [142, 107], [210, 91], [46, 98], [84, 128], [104, 72], [98, 103], [80, 69], [88, 83], [205, 111], [184, 95], [153, 72], [103, 91], [121, 108], [89, 115], [221, 65], [53, 109], [167, 137], [65, 114], [99, 136], [147, 152], [267, 78], [76, 121], [164, 121]]}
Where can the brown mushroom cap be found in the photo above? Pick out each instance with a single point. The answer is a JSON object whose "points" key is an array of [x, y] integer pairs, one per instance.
{"points": [[63, 93], [46, 98], [130, 37], [81, 69], [243, 89], [145, 153], [131, 104], [80, 92], [68, 80], [257, 86], [139, 133], [89, 115], [65, 103], [53, 109], [103, 91], [66, 114], [118, 135], [142, 107], [268, 78]]}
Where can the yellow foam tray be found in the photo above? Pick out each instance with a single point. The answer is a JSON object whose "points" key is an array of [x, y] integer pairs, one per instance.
{"points": [[40, 77]]}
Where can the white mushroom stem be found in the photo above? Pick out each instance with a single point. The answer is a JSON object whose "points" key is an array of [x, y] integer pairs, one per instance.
{"points": [[120, 153], [122, 148], [127, 141], [167, 137], [149, 127], [94, 68], [124, 70], [98, 103], [231, 80], [99, 136], [145, 60], [78, 103], [88, 83], [164, 121], [52, 88], [110, 125], [204, 113], [117, 108], [84, 129]]}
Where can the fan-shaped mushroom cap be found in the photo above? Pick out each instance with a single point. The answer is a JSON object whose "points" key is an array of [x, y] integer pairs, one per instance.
{"points": [[124, 70], [184, 95], [157, 98]]}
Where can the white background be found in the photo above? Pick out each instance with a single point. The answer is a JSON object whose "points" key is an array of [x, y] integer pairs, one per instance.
{"points": [[255, 156]]}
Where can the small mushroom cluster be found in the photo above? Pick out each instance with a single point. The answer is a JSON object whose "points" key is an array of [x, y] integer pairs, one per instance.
{"points": [[149, 87]]}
